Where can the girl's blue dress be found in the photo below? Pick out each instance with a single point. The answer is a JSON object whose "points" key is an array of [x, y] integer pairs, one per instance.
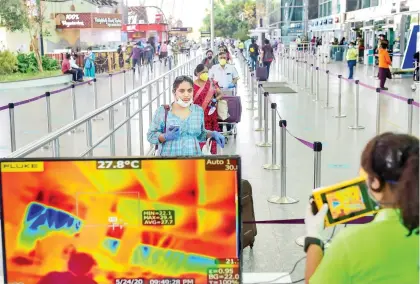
{"points": [[90, 65]]}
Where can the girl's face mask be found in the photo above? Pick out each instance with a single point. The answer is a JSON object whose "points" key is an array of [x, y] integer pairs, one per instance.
{"points": [[204, 76]]}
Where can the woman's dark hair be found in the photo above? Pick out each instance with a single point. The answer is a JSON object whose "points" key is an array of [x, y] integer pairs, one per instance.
{"points": [[384, 45], [394, 159], [199, 68], [68, 55], [266, 41], [209, 51], [181, 79]]}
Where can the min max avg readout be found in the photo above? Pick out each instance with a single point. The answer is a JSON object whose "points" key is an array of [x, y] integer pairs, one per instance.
{"points": [[158, 217]]}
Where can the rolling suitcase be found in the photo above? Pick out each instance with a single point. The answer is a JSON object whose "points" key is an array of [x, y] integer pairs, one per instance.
{"points": [[249, 231], [234, 109], [261, 73]]}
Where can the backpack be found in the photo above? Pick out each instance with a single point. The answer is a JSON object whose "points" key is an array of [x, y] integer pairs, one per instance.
{"points": [[268, 54]]}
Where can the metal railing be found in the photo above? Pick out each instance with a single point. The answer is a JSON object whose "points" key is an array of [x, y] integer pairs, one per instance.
{"points": [[137, 93]]}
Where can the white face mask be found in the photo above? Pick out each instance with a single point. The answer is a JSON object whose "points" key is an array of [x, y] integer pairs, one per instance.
{"points": [[181, 103]]}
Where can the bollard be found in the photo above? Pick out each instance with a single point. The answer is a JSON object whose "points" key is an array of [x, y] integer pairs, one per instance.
{"points": [[339, 114], [89, 137], [124, 83], [356, 108], [410, 116], [378, 110], [293, 70], [73, 99], [260, 109], [48, 108], [317, 85], [265, 143], [140, 102], [327, 99], [12, 126], [134, 79], [317, 164], [288, 68], [373, 66], [283, 198], [305, 74], [297, 73], [273, 165], [128, 126]]}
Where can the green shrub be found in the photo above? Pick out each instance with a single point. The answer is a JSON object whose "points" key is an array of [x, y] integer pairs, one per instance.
{"points": [[8, 62], [49, 64], [26, 63]]}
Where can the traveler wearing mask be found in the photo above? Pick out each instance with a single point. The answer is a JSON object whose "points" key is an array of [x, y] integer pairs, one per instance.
{"points": [[224, 74], [206, 94], [351, 56], [386, 250], [179, 128], [209, 60]]}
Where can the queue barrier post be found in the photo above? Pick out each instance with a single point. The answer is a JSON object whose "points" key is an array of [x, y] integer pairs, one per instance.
{"points": [[95, 99], [297, 72], [311, 92], [111, 125], [265, 143], [339, 114], [12, 126], [378, 110], [140, 103], [317, 85], [327, 95], [48, 110], [128, 126], [300, 241], [410, 116], [89, 137], [282, 198], [356, 125], [273, 165], [252, 93], [305, 73], [260, 109], [74, 109]]}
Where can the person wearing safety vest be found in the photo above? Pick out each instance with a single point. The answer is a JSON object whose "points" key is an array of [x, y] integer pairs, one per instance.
{"points": [[352, 55], [241, 46]]}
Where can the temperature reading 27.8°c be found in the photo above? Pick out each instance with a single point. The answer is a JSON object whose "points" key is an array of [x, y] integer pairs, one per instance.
{"points": [[118, 164]]}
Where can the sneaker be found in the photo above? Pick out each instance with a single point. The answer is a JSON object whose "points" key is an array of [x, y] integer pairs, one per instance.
{"points": [[384, 89]]}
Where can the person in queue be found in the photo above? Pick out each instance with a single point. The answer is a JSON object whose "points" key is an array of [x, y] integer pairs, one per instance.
{"points": [[267, 56], [90, 70], [179, 128], [209, 60], [386, 250], [254, 52], [206, 94], [351, 56], [384, 63], [224, 74]]}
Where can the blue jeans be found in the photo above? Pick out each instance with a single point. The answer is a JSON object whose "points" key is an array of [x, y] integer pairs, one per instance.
{"points": [[351, 64], [254, 59]]}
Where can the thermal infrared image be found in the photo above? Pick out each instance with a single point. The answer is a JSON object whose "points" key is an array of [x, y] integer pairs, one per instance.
{"points": [[74, 222]]}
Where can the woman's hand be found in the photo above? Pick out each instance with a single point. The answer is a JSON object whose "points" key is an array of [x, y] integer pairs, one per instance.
{"points": [[172, 133], [220, 139], [314, 224]]}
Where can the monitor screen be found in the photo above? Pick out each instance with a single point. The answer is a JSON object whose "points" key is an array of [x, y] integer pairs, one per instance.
{"points": [[121, 221]]}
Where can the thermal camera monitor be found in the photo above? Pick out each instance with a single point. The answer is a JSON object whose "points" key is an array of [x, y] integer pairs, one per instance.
{"points": [[121, 221], [346, 201]]}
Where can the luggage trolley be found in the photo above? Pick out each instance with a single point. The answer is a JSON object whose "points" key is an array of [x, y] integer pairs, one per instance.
{"points": [[235, 110]]}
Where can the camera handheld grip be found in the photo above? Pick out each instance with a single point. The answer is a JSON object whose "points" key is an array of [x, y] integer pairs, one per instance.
{"points": [[313, 205]]}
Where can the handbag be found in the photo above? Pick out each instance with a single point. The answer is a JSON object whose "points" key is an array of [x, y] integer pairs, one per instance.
{"points": [[222, 110], [207, 148]]}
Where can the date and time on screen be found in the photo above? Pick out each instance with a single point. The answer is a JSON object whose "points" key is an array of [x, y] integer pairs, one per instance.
{"points": [[211, 164]]}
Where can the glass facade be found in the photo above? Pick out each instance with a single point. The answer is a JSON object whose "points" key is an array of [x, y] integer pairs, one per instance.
{"points": [[288, 16], [353, 5], [325, 8]]}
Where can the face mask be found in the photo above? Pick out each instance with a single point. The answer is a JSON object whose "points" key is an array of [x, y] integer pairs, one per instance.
{"points": [[184, 104], [204, 77], [222, 62], [209, 56]]}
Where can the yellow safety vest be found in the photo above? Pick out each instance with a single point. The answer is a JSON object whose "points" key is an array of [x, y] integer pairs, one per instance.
{"points": [[352, 54]]}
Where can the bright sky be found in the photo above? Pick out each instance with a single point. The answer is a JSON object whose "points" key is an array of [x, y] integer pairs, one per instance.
{"points": [[190, 12]]}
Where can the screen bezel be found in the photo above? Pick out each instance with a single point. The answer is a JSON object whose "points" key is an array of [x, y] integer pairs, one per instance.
{"points": [[369, 203], [76, 159]]}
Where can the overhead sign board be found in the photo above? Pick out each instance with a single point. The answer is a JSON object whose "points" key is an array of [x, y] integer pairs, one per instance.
{"points": [[87, 20], [188, 30]]}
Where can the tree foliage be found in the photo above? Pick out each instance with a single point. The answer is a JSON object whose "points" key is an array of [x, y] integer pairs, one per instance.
{"points": [[20, 15], [233, 19]]}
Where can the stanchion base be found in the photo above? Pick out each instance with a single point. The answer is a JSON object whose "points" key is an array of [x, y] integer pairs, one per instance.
{"points": [[251, 108], [282, 200], [96, 118], [357, 127], [264, 144], [327, 107], [340, 116], [259, 129], [271, 167]]}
